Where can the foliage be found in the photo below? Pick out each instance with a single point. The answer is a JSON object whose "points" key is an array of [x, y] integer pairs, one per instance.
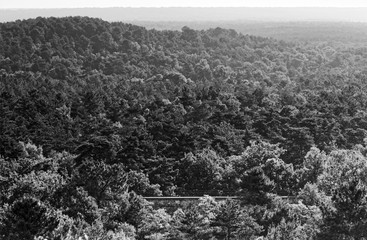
{"points": [[96, 115]]}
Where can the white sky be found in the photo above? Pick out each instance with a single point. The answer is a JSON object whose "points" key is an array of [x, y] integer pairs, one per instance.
{"points": [[179, 3]]}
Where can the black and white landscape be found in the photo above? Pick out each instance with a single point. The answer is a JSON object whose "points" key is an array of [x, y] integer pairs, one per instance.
{"points": [[183, 123]]}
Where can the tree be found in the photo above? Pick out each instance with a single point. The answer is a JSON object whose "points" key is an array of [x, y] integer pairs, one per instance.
{"points": [[291, 220], [200, 172], [345, 179], [259, 171], [27, 218], [155, 224], [234, 221]]}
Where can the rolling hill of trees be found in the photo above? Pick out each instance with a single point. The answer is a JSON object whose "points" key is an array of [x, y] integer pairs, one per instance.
{"points": [[96, 115]]}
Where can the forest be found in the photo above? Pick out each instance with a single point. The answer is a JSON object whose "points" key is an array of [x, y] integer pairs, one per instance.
{"points": [[96, 115]]}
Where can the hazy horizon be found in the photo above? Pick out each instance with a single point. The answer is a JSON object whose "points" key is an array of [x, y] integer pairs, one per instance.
{"points": [[348, 14], [177, 3]]}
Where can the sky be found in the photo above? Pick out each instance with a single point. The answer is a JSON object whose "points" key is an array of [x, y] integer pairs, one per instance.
{"points": [[178, 3]]}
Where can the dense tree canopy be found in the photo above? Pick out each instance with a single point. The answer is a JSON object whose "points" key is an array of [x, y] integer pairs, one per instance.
{"points": [[95, 115]]}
